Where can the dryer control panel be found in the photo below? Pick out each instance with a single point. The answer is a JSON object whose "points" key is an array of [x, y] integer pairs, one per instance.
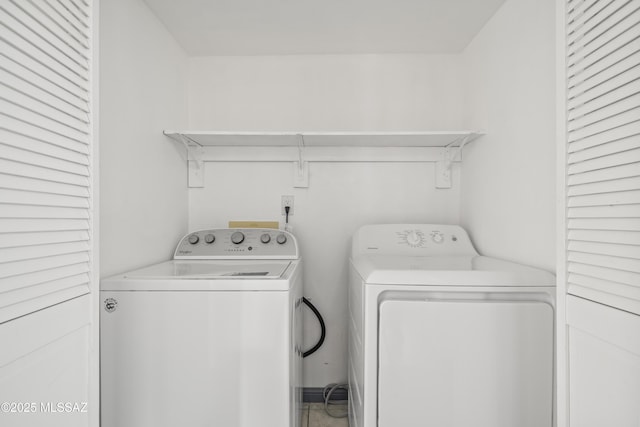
{"points": [[237, 243], [413, 240]]}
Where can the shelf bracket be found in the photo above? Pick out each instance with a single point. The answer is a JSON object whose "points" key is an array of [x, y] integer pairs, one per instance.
{"points": [[301, 167], [449, 153], [195, 161]]}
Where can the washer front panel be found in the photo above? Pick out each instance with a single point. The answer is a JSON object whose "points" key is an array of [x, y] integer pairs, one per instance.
{"points": [[197, 358]]}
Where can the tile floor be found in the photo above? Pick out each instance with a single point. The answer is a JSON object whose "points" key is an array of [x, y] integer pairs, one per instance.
{"points": [[313, 415]]}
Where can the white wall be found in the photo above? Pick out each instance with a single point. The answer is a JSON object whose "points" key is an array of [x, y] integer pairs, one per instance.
{"points": [[325, 92], [143, 206], [341, 197], [508, 176]]}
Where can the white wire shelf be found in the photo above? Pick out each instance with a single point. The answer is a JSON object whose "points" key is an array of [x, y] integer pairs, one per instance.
{"points": [[302, 147], [323, 139]]}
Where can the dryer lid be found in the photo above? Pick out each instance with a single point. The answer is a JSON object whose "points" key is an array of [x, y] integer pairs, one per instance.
{"points": [[447, 271]]}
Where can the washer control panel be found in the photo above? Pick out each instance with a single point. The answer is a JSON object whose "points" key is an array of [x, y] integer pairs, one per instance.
{"points": [[237, 243], [412, 239]]}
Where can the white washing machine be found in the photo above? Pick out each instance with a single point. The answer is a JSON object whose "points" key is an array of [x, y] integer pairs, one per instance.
{"points": [[440, 336], [211, 338]]}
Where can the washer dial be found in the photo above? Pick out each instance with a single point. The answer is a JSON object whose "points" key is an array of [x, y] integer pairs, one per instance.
{"points": [[237, 238]]}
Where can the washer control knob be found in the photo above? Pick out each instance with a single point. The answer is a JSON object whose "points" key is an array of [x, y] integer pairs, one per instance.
{"points": [[437, 237], [265, 238], [193, 239], [281, 239], [209, 238], [237, 238]]}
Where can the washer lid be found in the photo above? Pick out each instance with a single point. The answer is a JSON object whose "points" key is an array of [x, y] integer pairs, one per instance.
{"points": [[448, 270], [183, 276], [211, 270]]}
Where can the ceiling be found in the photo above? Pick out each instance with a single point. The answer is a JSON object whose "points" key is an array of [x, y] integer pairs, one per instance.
{"points": [[283, 27]]}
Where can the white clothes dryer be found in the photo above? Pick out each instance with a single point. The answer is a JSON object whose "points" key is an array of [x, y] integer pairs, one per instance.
{"points": [[440, 336], [210, 338]]}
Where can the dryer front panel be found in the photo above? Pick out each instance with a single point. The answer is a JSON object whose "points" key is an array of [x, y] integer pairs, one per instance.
{"points": [[456, 362]]}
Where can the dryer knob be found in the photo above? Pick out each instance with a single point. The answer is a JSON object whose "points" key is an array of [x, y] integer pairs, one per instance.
{"points": [[237, 238], [281, 239], [265, 238], [209, 238], [193, 239], [414, 238]]}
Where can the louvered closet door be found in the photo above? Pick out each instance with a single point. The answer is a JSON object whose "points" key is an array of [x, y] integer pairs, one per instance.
{"points": [[45, 152], [603, 170]]}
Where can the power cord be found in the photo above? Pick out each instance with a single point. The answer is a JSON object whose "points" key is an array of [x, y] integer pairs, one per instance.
{"points": [[331, 388], [327, 392], [323, 329]]}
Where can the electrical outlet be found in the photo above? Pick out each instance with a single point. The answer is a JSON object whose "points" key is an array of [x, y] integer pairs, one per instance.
{"points": [[287, 201]]}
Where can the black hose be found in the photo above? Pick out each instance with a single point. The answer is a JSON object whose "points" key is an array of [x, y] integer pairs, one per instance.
{"points": [[323, 329]]}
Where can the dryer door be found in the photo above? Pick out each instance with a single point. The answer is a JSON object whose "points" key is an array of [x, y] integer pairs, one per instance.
{"points": [[465, 363]]}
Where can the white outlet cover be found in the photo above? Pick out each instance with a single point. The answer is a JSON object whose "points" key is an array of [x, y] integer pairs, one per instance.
{"points": [[287, 201]]}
